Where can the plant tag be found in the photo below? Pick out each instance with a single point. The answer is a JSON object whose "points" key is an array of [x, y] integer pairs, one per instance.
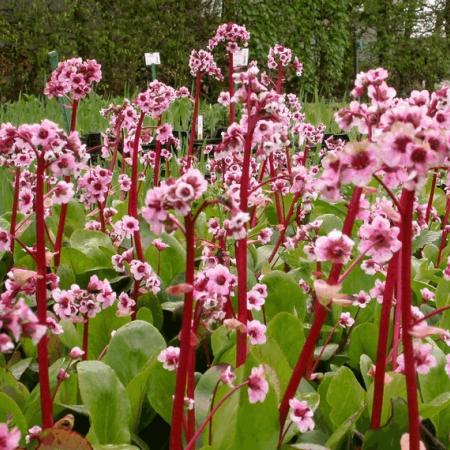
{"points": [[200, 127], [152, 59], [240, 57]]}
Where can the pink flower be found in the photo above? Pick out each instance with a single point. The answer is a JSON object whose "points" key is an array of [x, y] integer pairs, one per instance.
{"points": [[255, 300], [169, 358], [5, 240], [265, 235], [76, 353], [256, 331], [346, 320], [160, 245], [336, 247], [124, 182], [203, 61], [257, 385], [378, 290], [227, 376], [236, 225], [379, 239], [423, 359], [125, 305], [9, 439], [427, 295], [127, 226], [404, 443], [63, 374], [361, 299], [302, 415], [220, 280], [164, 133], [224, 98]]}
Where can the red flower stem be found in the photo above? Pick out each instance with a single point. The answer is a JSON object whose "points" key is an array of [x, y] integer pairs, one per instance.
{"points": [[279, 83], [185, 339], [278, 199], [432, 314], [232, 114], [305, 154], [285, 227], [407, 320], [85, 338], [157, 159], [211, 406], [12, 228], [431, 198], [65, 206], [324, 346], [288, 160], [41, 296], [397, 316], [241, 245], [25, 248], [443, 242], [198, 81], [116, 146], [307, 352], [101, 217], [383, 342], [191, 443]]}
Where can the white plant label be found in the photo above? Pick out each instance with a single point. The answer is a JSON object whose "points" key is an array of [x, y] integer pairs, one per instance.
{"points": [[152, 59], [200, 127], [240, 57]]}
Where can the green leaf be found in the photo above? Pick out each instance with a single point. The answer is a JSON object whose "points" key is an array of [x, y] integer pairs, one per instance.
{"points": [[394, 390], [388, 437], [91, 243], [11, 413], [161, 388], [330, 222], [424, 238], [132, 346], [287, 331], [106, 400], [363, 341], [13, 388], [335, 440], [284, 294], [345, 396], [240, 425], [435, 406]]}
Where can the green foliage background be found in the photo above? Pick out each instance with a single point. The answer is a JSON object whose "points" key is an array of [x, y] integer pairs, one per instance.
{"points": [[408, 37]]}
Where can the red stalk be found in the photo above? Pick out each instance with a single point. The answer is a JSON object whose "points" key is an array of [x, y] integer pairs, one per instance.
{"points": [[383, 342], [198, 80], [232, 113], [443, 242], [431, 198], [278, 200], [241, 247], [185, 340], [41, 296], [397, 316], [65, 206], [407, 321], [157, 160], [307, 352], [285, 225], [12, 228], [85, 338], [191, 443]]}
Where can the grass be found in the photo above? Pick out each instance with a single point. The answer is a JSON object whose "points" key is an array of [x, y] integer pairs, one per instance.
{"points": [[32, 109]]}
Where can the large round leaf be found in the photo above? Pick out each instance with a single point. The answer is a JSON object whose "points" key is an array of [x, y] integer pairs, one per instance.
{"points": [[132, 347], [106, 401]]}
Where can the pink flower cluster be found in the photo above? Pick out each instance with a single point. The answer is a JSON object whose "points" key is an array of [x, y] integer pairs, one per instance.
{"points": [[281, 55], [156, 99], [94, 185], [18, 320], [9, 438], [173, 194], [203, 61], [232, 34], [5, 240], [78, 304], [336, 247], [73, 77]]}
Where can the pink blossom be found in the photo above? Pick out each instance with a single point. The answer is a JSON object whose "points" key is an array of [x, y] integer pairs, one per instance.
{"points": [[257, 385], [164, 133], [62, 193], [423, 359], [227, 376], [203, 61], [5, 240], [169, 358], [160, 245], [265, 235], [220, 280], [127, 226], [256, 332], [302, 415], [76, 353], [336, 247], [361, 299], [255, 300], [379, 239], [9, 439], [156, 99], [125, 305], [346, 320], [235, 226], [224, 98], [124, 182], [140, 270], [378, 290], [63, 374], [427, 295]]}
